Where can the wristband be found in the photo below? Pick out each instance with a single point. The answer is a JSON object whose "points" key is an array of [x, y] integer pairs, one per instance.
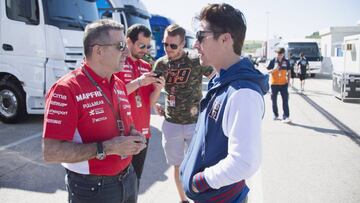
{"points": [[139, 82]]}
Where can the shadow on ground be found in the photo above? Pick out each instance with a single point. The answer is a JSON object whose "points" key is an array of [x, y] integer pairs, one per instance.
{"points": [[22, 167]]}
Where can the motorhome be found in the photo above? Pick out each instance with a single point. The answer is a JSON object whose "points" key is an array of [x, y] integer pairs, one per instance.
{"points": [[41, 41], [346, 78]]}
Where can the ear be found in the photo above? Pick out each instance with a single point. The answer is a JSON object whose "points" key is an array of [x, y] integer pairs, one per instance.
{"points": [[128, 41], [97, 50], [226, 37]]}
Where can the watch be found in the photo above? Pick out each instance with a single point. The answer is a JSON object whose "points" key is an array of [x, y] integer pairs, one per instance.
{"points": [[100, 153]]}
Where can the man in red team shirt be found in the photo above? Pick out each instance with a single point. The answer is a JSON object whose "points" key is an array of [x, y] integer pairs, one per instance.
{"points": [[88, 122], [142, 86]]}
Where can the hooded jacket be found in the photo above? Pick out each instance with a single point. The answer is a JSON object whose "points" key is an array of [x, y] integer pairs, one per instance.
{"points": [[210, 144]]}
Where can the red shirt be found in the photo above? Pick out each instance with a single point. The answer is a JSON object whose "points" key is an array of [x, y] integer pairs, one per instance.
{"points": [[76, 111], [141, 114]]}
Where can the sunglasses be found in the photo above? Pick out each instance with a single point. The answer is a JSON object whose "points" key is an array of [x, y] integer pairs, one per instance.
{"points": [[200, 35], [119, 46], [143, 46], [172, 46]]}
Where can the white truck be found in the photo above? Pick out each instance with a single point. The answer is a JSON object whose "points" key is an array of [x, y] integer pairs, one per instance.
{"points": [[127, 12], [346, 78], [41, 40]]}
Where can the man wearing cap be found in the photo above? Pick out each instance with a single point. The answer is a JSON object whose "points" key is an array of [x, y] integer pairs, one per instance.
{"points": [[279, 68]]}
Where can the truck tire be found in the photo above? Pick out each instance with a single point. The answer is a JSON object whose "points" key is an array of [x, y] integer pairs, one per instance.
{"points": [[12, 102]]}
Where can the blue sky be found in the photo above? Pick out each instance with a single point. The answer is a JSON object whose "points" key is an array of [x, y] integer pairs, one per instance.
{"points": [[287, 18]]}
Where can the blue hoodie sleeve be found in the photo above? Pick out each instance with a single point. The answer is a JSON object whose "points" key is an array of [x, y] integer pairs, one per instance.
{"points": [[271, 65]]}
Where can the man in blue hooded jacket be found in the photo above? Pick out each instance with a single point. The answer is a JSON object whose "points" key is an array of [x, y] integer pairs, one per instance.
{"points": [[226, 147]]}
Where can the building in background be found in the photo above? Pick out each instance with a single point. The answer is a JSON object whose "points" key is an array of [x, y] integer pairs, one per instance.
{"points": [[332, 39]]}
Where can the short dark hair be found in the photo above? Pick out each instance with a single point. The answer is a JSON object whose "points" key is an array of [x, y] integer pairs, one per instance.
{"points": [[175, 29], [280, 50], [134, 31], [223, 18], [98, 33], [301, 54]]}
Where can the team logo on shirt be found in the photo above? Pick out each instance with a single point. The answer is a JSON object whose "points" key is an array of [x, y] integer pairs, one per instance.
{"points": [[57, 112], [178, 76], [93, 104], [60, 104], [59, 96], [88, 95], [214, 112], [96, 120], [97, 111]]}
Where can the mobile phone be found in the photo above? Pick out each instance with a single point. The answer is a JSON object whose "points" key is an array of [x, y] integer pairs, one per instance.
{"points": [[158, 74]]}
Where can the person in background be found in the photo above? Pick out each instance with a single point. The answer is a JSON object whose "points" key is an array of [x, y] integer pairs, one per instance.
{"points": [[302, 66], [183, 90], [279, 69], [88, 126], [226, 148], [142, 86], [292, 63]]}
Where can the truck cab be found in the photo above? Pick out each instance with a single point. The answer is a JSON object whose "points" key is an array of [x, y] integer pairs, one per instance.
{"points": [[39, 44], [127, 12]]}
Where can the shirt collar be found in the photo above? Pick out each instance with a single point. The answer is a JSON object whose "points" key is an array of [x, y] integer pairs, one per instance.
{"points": [[98, 79]]}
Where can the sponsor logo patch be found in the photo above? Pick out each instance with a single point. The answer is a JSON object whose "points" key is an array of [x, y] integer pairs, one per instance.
{"points": [[55, 103]]}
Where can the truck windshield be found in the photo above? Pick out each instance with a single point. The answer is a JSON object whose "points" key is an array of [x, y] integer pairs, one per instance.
{"points": [[132, 19], [71, 15], [310, 49]]}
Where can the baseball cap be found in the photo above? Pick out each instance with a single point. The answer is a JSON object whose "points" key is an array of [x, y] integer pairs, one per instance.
{"points": [[280, 50]]}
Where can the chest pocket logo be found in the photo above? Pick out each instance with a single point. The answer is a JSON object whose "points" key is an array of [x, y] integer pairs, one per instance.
{"points": [[214, 112], [178, 76]]}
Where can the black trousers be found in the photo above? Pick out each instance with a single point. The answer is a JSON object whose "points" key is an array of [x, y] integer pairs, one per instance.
{"points": [[121, 188], [138, 161]]}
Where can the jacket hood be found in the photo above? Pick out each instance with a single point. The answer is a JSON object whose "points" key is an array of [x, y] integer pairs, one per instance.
{"points": [[242, 70]]}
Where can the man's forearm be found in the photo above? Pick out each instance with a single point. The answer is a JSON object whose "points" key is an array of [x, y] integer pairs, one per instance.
{"points": [[57, 151], [133, 85]]}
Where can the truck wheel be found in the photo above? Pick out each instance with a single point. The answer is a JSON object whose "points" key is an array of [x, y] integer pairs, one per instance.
{"points": [[12, 102], [312, 75]]}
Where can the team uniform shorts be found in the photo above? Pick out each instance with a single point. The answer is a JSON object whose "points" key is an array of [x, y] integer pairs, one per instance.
{"points": [[302, 76], [175, 141]]}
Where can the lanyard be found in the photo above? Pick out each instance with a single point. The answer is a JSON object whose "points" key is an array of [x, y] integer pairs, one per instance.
{"points": [[119, 122]]}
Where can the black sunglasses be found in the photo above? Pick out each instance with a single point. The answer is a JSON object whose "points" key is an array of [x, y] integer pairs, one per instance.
{"points": [[172, 46], [200, 35], [119, 46], [143, 46]]}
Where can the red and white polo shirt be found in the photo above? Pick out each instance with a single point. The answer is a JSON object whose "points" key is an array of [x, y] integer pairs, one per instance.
{"points": [[141, 115], [76, 111]]}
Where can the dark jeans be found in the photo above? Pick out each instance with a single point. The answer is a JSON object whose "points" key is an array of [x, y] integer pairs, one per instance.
{"points": [[121, 188], [139, 160], [283, 89]]}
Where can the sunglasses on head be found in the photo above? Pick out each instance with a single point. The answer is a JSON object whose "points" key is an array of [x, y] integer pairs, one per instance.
{"points": [[200, 35], [143, 46], [172, 46], [119, 46]]}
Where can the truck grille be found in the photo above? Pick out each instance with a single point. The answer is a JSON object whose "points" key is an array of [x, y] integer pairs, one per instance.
{"points": [[74, 57]]}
